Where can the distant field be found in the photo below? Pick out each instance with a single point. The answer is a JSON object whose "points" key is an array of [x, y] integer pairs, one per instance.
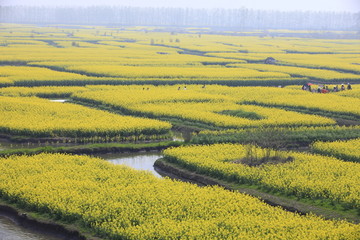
{"points": [[33, 56]]}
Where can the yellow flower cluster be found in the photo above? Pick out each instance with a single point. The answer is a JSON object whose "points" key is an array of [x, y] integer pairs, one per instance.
{"points": [[355, 93], [117, 202], [5, 80], [311, 176], [40, 91], [99, 53], [342, 62], [198, 104], [287, 129], [31, 116], [347, 150], [131, 95], [34, 74], [188, 73], [301, 71], [292, 98]]}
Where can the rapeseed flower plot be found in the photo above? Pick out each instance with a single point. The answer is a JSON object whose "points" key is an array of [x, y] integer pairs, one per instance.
{"points": [[31, 116], [188, 73], [92, 54], [118, 202], [304, 72], [347, 150], [291, 98], [198, 104], [40, 91], [312, 176], [355, 93]]}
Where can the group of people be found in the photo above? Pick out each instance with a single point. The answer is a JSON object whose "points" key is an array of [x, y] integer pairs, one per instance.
{"points": [[325, 89], [179, 88]]}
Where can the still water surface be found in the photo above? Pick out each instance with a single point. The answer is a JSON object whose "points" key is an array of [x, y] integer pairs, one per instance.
{"points": [[59, 100], [9, 230], [139, 161]]}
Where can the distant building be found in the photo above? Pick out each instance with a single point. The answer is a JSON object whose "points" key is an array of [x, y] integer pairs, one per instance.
{"points": [[270, 60]]}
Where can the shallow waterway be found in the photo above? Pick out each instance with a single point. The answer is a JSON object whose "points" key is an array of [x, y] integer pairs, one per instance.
{"points": [[59, 100], [10, 230], [139, 161]]}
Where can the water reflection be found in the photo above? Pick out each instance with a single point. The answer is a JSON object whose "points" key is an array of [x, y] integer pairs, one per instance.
{"points": [[182, 135], [58, 100], [10, 230], [140, 161]]}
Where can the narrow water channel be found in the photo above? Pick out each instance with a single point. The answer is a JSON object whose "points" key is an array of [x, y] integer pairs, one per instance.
{"points": [[59, 100], [10, 230], [139, 161]]}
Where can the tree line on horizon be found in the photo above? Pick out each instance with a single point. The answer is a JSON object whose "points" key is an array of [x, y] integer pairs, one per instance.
{"points": [[241, 19]]}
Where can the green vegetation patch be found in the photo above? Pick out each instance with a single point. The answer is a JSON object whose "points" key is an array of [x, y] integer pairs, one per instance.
{"points": [[242, 114]]}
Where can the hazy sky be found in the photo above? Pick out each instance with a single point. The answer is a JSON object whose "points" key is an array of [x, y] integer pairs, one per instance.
{"points": [[283, 5]]}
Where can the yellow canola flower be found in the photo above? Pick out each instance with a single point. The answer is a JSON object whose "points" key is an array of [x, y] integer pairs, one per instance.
{"points": [[140, 53], [177, 72], [291, 98], [16, 74], [299, 71], [347, 150], [31, 116], [40, 91], [117, 202], [205, 105], [311, 176]]}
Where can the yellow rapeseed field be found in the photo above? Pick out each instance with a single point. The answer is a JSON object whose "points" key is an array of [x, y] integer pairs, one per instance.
{"points": [[131, 54], [31, 116], [347, 150], [232, 83], [307, 176], [199, 104], [120, 203]]}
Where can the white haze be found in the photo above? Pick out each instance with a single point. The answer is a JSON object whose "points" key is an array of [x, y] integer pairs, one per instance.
{"points": [[282, 5]]}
